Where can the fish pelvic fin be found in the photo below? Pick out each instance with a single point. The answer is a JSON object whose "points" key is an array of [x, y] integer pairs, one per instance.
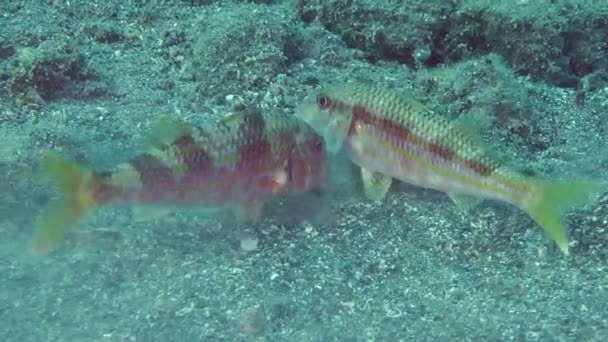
{"points": [[550, 199], [375, 184], [75, 199]]}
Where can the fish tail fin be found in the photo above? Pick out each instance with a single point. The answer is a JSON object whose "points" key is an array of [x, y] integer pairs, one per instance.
{"points": [[550, 199], [75, 199]]}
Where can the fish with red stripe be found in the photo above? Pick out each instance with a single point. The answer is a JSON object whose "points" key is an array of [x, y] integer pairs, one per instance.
{"points": [[390, 136], [239, 163]]}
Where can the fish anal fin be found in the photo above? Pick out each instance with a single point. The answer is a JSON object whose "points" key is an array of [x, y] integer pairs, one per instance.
{"points": [[249, 211], [150, 213], [375, 184], [465, 203]]}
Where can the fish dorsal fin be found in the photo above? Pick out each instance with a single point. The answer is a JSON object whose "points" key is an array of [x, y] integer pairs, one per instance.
{"points": [[239, 107], [472, 125], [233, 120], [375, 184], [165, 131]]}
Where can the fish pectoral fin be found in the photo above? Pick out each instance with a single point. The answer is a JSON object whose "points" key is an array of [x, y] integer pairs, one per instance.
{"points": [[465, 202], [274, 182], [165, 131], [335, 133], [375, 184], [150, 212]]}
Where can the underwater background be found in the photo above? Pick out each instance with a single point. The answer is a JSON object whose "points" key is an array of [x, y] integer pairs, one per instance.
{"points": [[88, 78]]}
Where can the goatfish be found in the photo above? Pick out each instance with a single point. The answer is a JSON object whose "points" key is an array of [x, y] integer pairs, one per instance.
{"points": [[238, 162], [390, 136]]}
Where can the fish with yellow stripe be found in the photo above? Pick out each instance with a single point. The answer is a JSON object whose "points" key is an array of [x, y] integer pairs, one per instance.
{"points": [[239, 163], [390, 136]]}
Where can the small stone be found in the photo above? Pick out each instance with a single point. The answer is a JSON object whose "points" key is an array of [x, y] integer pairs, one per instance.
{"points": [[249, 243]]}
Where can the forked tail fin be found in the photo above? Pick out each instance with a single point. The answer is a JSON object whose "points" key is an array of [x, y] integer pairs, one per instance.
{"points": [[550, 200], [75, 199]]}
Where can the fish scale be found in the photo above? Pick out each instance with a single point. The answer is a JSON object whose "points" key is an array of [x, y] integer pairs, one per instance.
{"points": [[391, 136]]}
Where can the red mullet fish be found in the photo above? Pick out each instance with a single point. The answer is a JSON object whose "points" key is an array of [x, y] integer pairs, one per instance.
{"points": [[239, 162], [391, 136]]}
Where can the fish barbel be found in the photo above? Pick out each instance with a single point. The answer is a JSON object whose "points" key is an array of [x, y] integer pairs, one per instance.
{"points": [[392, 136], [240, 162]]}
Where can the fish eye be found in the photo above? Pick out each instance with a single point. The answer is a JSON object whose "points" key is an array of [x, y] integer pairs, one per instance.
{"points": [[323, 101]]}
